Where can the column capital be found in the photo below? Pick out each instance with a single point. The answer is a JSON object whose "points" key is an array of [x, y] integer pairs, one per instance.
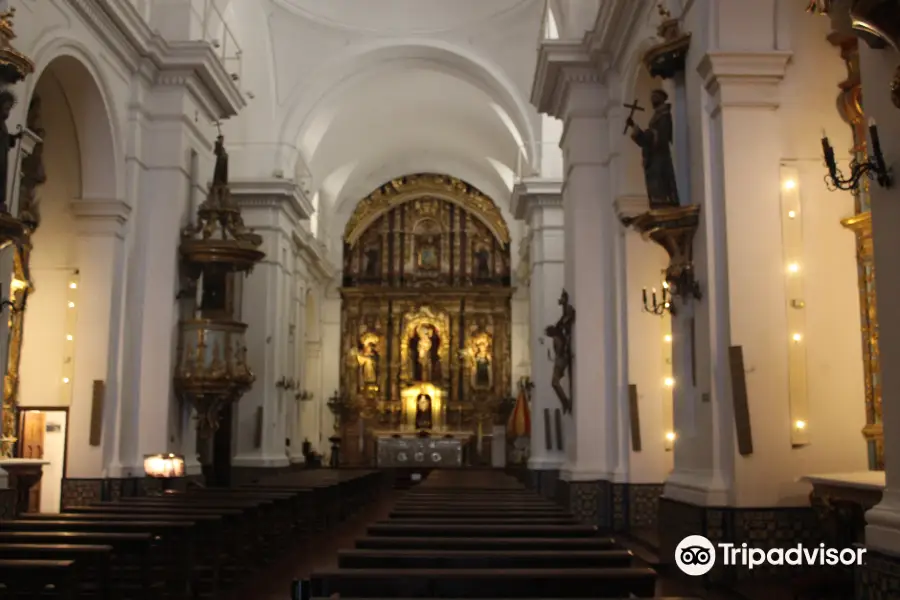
{"points": [[100, 217], [562, 67], [533, 195], [747, 79]]}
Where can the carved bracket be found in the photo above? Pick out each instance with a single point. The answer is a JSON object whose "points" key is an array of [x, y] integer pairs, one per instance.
{"points": [[668, 58], [673, 229]]}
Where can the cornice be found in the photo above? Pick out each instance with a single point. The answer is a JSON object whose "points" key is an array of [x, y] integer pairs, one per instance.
{"points": [[533, 193], [748, 79], [121, 28], [100, 216], [560, 64], [282, 194]]}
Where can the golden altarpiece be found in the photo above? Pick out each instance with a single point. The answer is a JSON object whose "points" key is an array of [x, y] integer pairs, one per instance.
{"points": [[425, 316]]}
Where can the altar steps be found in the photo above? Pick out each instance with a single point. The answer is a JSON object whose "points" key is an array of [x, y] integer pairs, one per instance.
{"points": [[481, 535]]}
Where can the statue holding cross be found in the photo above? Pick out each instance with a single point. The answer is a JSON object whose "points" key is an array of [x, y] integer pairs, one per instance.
{"points": [[655, 142]]}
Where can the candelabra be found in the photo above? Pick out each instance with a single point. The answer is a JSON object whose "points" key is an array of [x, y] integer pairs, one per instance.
{"points": [[874, 167], [655, 307], [304, 396], [287, 383]]}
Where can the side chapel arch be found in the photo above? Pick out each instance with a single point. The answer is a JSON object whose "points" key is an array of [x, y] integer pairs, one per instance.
{"points": [[425, 305]]}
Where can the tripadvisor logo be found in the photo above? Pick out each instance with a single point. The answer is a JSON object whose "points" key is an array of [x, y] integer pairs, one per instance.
{"points": [[695, 555]]}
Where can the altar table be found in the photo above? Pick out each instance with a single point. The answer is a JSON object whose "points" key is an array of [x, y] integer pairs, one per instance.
{"points": [[411, 451]]}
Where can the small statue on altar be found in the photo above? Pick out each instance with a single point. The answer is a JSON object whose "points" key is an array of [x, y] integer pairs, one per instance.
{"points": [[368, 363], [424, 352], [655, 143], [423, 412]]}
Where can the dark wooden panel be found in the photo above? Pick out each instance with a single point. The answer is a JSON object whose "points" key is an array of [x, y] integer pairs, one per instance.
{"points": [[635, 418], [740, 401], [96, 431]]}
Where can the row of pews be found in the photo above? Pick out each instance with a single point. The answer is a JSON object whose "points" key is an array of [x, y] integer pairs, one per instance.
{"points": [[179, 546], [448, 538]]}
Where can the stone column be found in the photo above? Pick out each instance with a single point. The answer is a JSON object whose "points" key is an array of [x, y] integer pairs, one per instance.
{"points": [[539, 203], [273, 208], [568, 86], [883, 530], [100, 250]]}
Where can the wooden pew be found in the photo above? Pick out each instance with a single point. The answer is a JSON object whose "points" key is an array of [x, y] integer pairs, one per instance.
{"points": [[92, 564], [131, 558], [482, 543], [172, 556], [467, 520], [478, 559], [209, 539], [485, 583], [481, 531], [26, 578], [465, 514]]}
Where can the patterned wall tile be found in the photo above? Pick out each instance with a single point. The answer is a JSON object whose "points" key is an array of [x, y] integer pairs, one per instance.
{"points": [[643, 504], [879, 578]]}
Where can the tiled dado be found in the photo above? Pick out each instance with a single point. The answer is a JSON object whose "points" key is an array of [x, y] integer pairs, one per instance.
{"points": [[878, 578], [757, 527], [8, 503], [82, 492], [611, 506]]}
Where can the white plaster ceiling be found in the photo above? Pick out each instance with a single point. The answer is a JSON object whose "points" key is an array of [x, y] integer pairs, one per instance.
{"points": [[401, 16]]}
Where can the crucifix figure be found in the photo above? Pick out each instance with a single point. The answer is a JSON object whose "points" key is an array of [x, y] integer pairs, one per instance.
{"points": [[655, 143]]}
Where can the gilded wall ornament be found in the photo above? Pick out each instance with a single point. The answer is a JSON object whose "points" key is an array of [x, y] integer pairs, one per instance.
{"points": [[410, 187]]}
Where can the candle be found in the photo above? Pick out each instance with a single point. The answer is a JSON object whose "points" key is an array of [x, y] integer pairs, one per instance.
{"points": [[645, 296], [876, 142]]}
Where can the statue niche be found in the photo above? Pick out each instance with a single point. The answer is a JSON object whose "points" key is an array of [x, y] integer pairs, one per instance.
{"points": [[424, 415], [428, 251], [368, 359], [480, 352], [424, 347]]}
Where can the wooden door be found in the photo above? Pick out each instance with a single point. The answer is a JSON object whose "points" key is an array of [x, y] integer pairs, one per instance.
{"points": [[31, 445]]}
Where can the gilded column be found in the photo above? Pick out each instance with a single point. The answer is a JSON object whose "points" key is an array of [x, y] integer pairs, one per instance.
{"points": [[851, 109]]}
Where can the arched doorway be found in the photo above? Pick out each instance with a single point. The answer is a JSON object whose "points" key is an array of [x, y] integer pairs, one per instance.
{"points": [[59, 371], [425, 316]]}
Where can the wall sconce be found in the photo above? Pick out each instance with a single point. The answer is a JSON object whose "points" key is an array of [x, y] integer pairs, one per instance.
{"points": [[285, 383], [670, 441], [655, 307], [873, 168], [304, 396]]}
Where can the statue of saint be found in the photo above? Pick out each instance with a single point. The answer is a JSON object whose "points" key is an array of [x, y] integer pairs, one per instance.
{"points": [[33, 172], [655, 142], [482, 359], [220, 173], [7, 142], [423, 412], [368, 364], [482, 263], [372, 254]]}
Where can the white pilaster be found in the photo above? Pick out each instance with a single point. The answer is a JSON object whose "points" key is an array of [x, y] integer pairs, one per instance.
{"points": [[100, 251], [539, 203], [162, 138], [569, 87], [273, 208], [877, 67], [743, 95]]}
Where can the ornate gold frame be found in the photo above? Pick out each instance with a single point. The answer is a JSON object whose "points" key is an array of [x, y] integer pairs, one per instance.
{"points": [[440, 320], [16, 335], [405, 189]]}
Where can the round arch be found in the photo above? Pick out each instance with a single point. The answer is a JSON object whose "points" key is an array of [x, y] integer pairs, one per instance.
{"points": [[315, 104], [90, 102]]}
